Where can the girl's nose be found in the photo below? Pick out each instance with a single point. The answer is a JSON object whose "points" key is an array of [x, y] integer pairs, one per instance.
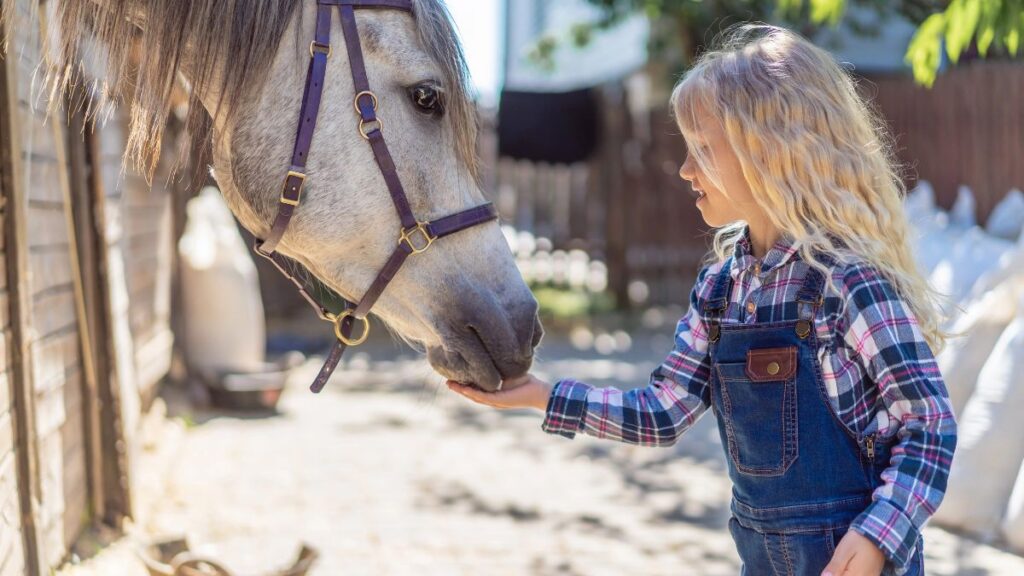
{"points": [[686, 170]]}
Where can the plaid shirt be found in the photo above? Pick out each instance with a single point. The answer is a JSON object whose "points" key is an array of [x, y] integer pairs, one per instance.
{"points": [[880, 374]]}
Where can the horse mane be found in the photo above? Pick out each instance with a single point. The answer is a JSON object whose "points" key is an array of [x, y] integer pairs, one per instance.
{"points": [[142, 66]]}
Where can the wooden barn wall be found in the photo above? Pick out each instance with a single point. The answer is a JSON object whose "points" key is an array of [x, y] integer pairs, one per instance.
{"points": [[52, 454], [52, 339], [12, 536], [12, 553]]}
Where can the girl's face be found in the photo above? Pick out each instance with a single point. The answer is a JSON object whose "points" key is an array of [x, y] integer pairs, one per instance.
{"points": [[723, 195]]}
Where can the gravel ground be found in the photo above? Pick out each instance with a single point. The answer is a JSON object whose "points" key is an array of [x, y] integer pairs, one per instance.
{"points": [[388, 473]]}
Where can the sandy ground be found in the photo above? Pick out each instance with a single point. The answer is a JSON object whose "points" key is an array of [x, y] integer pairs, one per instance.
{"points": [[388, 473]]}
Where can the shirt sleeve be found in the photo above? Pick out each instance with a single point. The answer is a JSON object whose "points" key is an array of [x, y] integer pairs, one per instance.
{"points": [[657, 415], [884, 334]]}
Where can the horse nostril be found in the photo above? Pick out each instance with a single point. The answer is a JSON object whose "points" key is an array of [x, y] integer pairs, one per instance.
{"points": [[536, 333]]}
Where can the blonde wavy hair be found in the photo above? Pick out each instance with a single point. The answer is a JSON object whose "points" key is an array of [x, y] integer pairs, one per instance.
{"points": [[819, 160]]}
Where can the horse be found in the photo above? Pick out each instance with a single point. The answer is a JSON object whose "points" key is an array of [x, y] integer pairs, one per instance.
{"points": [[463, 302]]}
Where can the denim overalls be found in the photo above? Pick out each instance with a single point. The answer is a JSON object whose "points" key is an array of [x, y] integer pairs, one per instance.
{"points": [[800, 476]]}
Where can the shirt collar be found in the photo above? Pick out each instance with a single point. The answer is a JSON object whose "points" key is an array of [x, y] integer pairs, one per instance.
{"points": [[784, 250]]}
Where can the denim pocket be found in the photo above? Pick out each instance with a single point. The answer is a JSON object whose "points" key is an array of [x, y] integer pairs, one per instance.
{"points": [[760, 420]]}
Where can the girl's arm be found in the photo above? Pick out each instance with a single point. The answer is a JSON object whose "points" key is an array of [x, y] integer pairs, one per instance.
{"points": [[675, 397], [657, 415], [884, 335]]}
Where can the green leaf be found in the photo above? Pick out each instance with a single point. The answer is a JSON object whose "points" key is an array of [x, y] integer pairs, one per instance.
{"points": [[827, 10], [924, 53], [987, 24], [789, 8], [961, 22], [1010, 26]]}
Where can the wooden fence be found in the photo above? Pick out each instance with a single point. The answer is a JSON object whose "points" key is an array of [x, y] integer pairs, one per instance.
{"points": [[967, 130], [628, 207]]}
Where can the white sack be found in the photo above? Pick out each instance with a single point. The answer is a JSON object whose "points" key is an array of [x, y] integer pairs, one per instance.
{"points": [[990, 446], [967, 259], [1007, 218], [1013, 524], [224, 324], [1010, 266], [963, 357], [964, 211]]}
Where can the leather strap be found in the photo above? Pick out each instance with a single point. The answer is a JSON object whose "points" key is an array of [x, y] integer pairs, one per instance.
{"points": [[451, 224], [282, 265], [291, 193], [387, 168], [396, 4]]}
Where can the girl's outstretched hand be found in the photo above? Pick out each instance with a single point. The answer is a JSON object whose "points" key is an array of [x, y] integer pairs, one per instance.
{"points": [[523, 392]]}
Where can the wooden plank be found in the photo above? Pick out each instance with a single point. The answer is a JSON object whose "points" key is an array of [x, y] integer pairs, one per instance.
{"points": [[53, 359], [48, 224], [15, 230], [6, 402], [74, 462], [7, 445], [115, 465], [50, 268], [55, 313], [85, 240]]}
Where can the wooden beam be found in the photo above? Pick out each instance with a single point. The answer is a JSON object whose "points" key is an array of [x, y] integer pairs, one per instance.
{"points": [[81, 243], [20, 302], [116, 488]]}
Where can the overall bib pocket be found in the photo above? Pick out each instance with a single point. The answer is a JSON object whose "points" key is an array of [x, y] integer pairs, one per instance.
{"points": [[759, 409]]}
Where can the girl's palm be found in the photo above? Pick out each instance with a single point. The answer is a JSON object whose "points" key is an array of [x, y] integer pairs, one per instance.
{"points": [[524, 392]]}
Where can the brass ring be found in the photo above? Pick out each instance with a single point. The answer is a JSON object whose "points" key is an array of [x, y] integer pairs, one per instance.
{"points": [[351, 341], [366, 133], [372, 96]]}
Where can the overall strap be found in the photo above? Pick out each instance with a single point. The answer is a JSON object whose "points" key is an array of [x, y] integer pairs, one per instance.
{"points": [[810, 297], [718, 301]]}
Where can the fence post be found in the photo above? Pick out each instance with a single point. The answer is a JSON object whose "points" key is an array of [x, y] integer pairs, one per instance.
{"points": [[608, 180]]}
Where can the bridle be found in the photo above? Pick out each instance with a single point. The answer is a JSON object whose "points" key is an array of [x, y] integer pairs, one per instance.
{"points": [[415, 236]]}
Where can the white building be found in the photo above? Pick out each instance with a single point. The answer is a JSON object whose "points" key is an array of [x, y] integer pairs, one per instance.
{"points": [[610, 55]]}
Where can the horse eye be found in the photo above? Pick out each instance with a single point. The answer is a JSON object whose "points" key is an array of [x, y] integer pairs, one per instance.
{"points": [[427, 98]]}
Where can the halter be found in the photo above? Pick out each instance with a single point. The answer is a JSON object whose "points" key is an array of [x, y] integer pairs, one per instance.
{"points": [[415, 236]]}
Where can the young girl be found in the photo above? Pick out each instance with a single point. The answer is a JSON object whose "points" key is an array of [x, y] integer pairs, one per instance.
{"points": [[810, 332]]}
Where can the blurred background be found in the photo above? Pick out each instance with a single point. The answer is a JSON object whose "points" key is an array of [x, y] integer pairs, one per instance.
{"points": [[121, 429]]}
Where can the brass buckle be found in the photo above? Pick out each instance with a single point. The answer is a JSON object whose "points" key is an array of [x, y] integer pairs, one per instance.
{"points": [[298, 191], [341, 336], [315, 46], [409, 233], [378, 125]]}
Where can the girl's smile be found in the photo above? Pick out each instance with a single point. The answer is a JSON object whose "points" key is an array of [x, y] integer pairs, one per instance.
{"points": [[701, 194]]}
